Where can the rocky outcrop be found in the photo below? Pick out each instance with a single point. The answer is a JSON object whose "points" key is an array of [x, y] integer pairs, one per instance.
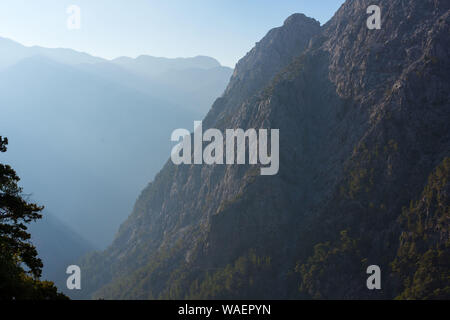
{"points": [[270, 55]]}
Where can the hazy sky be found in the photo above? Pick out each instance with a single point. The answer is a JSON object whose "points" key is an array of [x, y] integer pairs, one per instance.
{"points": [[223, 29]]}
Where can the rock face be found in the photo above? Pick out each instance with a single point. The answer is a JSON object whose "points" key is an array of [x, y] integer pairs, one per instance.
{"points": [[363, 118], [273, 53]]}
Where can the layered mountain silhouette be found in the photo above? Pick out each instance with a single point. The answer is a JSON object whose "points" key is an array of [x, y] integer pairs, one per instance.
{"points": [[97, 132], [364, 170], [86, 134]]}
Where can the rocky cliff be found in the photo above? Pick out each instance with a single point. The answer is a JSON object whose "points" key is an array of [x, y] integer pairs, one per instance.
{"points": [[363, 118]]}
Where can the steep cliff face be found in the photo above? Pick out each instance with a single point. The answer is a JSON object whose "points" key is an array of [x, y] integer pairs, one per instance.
{"points": [[363, 118], [273, 53]]}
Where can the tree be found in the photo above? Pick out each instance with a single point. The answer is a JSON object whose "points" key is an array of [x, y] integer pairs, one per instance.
{"points": [[20, 267], [423, 257]]}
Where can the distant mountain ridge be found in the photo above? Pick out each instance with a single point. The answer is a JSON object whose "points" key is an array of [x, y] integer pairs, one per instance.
{"points": [[16, 51], [363, 118], [55, 93], [162, 78], [12, 52], [153, 66]]}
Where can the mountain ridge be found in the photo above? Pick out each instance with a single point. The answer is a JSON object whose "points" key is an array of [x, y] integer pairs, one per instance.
{"points": [[75, 57], [37, 85], [360, 134]]}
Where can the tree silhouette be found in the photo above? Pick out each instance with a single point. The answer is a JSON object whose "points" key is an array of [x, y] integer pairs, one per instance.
{"points": [[20, 267]]}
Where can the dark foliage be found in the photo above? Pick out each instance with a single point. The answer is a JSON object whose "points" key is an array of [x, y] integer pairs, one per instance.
{"points": [[20, 268]]}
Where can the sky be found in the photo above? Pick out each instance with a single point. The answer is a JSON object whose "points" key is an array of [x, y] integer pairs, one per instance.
{"points": [[223, 29]]}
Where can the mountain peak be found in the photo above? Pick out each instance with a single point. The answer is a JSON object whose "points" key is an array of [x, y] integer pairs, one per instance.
{"points": [[298, 18], [273, 53]]}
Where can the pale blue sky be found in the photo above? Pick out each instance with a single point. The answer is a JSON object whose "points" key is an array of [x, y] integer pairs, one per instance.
{"points": [[223, 29]]}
